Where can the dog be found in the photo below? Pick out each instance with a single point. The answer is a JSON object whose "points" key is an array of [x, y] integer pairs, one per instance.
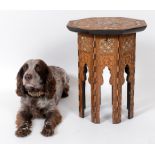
{"points": [[40, 87]]}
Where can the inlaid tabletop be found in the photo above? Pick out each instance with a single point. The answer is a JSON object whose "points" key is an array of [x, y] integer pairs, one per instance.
{"points": [[107, 25]]}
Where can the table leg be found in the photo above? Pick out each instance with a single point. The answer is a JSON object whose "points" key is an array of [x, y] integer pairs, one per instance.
{"points": [[131, 91], [95, 100], [116, 102], [117, 93]]}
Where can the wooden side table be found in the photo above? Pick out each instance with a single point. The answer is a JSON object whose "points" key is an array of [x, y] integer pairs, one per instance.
{"points": [[106, 42]]}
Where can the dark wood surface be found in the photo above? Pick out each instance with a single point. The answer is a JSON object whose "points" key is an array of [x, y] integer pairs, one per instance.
{"points": [[107, 25]]}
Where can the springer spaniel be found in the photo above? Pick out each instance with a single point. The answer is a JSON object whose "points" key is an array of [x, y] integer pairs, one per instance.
{"points": [[40, 88]]}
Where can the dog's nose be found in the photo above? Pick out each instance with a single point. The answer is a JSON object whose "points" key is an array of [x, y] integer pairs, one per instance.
{"points": [[31, 89], [28, 77]]}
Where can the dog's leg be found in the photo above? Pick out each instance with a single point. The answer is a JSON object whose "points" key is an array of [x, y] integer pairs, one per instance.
{"points": [[24, 123], [53, 118]]}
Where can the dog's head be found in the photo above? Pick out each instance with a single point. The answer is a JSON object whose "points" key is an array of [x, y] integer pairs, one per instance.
{"points": [[35, 79]]}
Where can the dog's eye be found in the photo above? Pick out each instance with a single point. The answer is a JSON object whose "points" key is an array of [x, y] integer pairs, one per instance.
{"points": [[37, 68], [25, 67]]}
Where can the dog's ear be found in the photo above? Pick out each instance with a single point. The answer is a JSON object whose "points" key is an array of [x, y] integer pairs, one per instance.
{"points": [[20, 91], [50, 85]]}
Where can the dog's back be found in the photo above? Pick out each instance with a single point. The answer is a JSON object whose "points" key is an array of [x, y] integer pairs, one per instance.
{"points": [[62, 80]]}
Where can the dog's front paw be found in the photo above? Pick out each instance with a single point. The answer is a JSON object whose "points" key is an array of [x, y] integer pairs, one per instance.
{"points": [[22, 131], [47, 131]]}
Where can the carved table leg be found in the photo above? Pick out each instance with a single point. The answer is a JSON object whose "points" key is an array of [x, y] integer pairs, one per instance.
{"points": [[85, 50], [116, 115], [96, 81], [128, 54], [95, 99], [131, 91], [116, 101], [132, 80], [117, 86]]}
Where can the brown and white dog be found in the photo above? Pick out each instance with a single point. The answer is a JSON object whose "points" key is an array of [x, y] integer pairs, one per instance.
{"points": [[40, 88]]}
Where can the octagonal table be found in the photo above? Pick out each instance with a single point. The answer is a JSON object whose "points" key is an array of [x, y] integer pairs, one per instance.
{"points": [[108, 41]]}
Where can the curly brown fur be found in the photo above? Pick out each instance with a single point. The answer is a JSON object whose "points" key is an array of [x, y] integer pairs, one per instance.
{"points": [[40, 87], [20, 88], [47, 77], [50, 86], [24, 123], [52, 120]]}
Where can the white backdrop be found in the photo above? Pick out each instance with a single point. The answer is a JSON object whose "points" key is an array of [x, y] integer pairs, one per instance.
{"points": [[43, 34]]}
